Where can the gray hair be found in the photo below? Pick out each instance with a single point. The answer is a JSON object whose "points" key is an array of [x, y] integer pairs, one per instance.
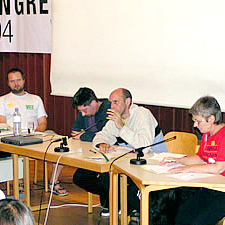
{"points": [[207, 106], [15, 212]]}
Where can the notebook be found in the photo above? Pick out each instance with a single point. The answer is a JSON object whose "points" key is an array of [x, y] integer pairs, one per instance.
{"points": [[21, 140]]}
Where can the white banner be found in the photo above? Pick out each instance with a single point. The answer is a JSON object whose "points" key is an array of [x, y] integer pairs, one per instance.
{"points": [[166, 52], [25, 26]]}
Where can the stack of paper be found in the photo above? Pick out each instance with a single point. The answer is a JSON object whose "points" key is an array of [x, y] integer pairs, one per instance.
{"points": [[160, 168], [113, 153], [161, 156]]}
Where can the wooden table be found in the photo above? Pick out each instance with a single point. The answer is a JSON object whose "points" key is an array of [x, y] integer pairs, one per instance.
{"points": [[148, 181], [37, 151]]}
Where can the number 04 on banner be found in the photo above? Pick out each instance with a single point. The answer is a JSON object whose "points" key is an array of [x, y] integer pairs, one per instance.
{"points": [[6, 31]]}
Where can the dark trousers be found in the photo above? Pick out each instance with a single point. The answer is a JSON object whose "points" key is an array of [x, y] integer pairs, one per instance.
{"points": [[203, 207], [166, 207], [162, 205], [96, 183]]}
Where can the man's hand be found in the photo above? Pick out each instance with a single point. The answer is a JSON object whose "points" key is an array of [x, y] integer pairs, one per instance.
{"points": [[104, 147], [76, 134], [42, 124], [116, 117]]}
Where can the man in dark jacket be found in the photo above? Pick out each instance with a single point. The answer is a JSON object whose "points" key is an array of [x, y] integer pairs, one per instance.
{"points": [[90, 119]]}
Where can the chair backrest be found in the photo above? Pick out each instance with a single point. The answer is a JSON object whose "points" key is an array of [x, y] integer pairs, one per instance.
{"points": [[185, 143]]}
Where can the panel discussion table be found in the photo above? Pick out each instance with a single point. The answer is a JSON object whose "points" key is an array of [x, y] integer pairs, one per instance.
{"points": [[148, 181], [37, 151]]}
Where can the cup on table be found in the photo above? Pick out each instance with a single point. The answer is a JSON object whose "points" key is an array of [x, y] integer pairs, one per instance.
{"points": [[30, 127]]}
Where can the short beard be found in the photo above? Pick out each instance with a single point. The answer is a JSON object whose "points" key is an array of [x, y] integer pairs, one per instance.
{"points": [[17, 91]]}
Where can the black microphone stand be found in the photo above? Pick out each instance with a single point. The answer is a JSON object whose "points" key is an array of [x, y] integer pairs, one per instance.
{"points": [[138, 160], [62, 147]]}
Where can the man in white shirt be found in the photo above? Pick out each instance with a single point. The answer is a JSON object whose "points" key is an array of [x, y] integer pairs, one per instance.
{"points": [[131, 125], [30, 107]]}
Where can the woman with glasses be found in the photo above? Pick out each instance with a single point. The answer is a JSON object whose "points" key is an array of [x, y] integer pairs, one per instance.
{"points": [[204, 206]]}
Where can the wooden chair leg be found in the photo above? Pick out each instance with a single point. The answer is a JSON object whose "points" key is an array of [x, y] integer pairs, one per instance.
{"points": [[46, 177], [90, 209], [8, 187], [36, 174], [221, 222], [35, 171]]}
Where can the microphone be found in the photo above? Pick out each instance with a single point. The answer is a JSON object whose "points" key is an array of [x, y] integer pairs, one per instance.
{"points": [[138, 160], [88, 128], [62, 147], [60, 139]]}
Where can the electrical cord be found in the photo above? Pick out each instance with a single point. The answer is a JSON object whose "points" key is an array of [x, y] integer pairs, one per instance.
{"points": [[44, 160], [39, 214], [52, 187], [73, 205], [132, 151]]}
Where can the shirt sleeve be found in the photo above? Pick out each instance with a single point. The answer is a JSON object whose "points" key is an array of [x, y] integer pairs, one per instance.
{"points": [[78, 123], [87, 136], [141, 132], [221, 151], [201, 147], [2, 111], [41, 109], [107, 135]]}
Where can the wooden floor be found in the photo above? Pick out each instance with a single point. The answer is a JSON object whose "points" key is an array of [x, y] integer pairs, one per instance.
{"points": [[69, 215]]}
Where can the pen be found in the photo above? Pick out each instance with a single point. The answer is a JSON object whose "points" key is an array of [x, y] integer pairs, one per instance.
{"points": [[171, 161], [93, 151]]}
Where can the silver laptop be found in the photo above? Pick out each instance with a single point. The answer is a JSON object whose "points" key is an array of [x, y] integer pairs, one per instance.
{"points": [[21, 140]]}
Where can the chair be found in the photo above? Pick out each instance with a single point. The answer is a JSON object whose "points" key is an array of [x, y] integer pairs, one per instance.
{"points": [[36, 173], [185, 143], [6, 165]]}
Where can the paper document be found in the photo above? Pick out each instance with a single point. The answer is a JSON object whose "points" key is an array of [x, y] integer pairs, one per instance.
{"points": [[181, 176], [117, 151], [190, 176], [160, 169], [161, 156]]}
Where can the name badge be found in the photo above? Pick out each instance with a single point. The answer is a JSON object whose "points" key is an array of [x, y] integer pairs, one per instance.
{"points": [[30, 107]]}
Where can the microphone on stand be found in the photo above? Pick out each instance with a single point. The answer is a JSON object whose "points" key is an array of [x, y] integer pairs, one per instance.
{"points": [[86, 129], [138, 160], [62, 147]]}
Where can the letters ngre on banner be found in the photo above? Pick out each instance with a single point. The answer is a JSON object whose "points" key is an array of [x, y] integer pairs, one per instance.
{"points": [[25, 26]]}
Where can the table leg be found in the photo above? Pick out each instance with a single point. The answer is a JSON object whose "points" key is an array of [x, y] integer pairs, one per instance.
{"points": [[90, 209], [123, 199], [113, 199], [15, 176], [144, 204], [145, 190], [26, 180]]}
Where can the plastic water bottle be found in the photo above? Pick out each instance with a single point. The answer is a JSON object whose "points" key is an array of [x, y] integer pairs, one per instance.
{"points": [[16, 122]]}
